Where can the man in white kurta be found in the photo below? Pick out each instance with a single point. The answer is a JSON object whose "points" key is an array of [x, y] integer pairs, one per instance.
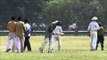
{"points": [[92, 28]]}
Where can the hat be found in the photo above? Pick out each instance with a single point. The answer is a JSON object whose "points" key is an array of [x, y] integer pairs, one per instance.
{"points": [[94, 18], [56, 21], [26, 21]]}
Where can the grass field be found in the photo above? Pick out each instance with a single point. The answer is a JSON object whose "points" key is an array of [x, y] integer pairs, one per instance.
{"points": [[73, 48]]}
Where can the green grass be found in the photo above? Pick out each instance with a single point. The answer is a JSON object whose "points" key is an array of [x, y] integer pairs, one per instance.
{"points": [[73, 48]]}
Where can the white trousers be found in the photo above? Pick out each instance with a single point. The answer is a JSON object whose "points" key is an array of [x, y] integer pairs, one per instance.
{"points": [[53, 40], [93, 40], [10, 37], [44, 43], [16, 45]]}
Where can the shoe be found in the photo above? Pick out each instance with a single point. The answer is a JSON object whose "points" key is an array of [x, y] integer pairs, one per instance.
{"points": [[17, 51], [93, 49], [41, 50], [102, 49], [49, 51], [8, 50], [29, 50]]}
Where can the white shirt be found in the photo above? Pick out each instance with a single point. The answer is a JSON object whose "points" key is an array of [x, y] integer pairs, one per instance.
{"points": [[57, 30], [93, 26], [27, 27]]}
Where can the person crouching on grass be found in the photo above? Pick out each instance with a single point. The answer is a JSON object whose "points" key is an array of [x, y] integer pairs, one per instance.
{"points": [[100, 36], [56, 35]]}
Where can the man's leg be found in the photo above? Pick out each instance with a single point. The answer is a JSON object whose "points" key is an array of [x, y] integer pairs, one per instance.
{"points": [[91, 41], [8, 43], [43, 44], [59, 43], [52, 44], [102, 45], [25, 43], [21, 43], [14, 40], [17, 44], [13, 46], [97, 44], [94, 40], [28, 44]]}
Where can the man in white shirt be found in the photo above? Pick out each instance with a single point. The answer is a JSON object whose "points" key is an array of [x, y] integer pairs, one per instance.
{"points": [[48, 35], [92, 28], [56, 35], [27, 35]]}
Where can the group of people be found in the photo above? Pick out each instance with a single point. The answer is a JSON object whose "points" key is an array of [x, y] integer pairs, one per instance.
{"points": [[19, 31], [96, 34], [53, 33]]}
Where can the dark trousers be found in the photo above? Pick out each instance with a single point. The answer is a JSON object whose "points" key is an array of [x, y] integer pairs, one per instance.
{"points": [[100, 40], [27, 43]]}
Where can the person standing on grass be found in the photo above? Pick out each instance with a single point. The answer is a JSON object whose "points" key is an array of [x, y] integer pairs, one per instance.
{"points": [[27, 35], [100, 37], [56, 35], [48, 35], [19, 30], [11, 27], [93, 27]]}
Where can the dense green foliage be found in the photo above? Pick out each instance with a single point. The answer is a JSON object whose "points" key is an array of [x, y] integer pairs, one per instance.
{"points": [[70, 11]]}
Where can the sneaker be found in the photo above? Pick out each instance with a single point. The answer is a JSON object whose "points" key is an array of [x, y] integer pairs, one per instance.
{"points": [[41, 50], [8, 50], [49, 51], [102, 49], [29, 50], [93, 49]]}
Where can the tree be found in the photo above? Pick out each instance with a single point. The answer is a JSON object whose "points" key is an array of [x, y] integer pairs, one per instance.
{"points": [[70, 11]]}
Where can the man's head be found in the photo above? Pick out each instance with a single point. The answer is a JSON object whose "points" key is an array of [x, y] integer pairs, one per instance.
{"points": [[25, 21], [55, 22], [19, 19], [12, 18], [59, 23]]}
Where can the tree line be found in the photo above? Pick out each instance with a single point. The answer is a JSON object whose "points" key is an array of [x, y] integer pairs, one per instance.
{"points": [[79, 11], [67, 11]]}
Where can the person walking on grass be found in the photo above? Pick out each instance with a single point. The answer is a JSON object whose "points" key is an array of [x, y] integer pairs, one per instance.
{"points": [[27, 35], [19, 30], [48, 35], [56, 35], [11, 27], [93, 27], [100, 36]]}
